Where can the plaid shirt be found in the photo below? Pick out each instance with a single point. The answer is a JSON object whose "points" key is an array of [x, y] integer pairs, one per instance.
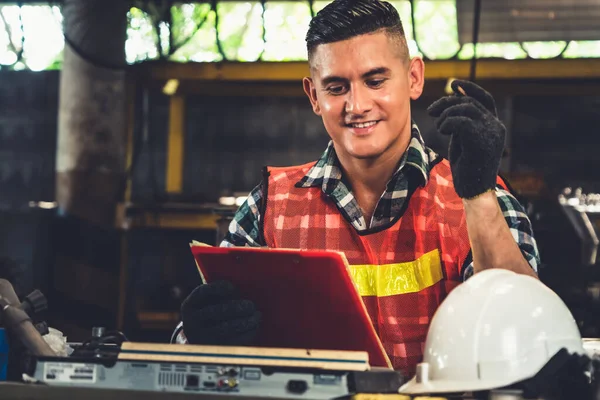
{"points": [[244, 229]]}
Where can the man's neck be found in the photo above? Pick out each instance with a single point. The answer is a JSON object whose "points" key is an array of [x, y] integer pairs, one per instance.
{"points": [[369, 174], [368, 178]]}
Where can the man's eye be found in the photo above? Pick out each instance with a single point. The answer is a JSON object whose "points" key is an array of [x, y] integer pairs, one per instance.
{"points": [[375, 83], [336, 89]]}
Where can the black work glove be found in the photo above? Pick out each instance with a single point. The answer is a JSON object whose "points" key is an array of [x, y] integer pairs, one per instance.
{"points": [[477, 137], [565, 376], [213, 315]]}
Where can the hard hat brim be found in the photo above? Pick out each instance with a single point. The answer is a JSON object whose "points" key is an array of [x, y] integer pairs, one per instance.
{"points": [[450, 386]]}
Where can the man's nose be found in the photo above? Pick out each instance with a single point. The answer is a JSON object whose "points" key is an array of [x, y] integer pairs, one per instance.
{"points": [[359, 100]]}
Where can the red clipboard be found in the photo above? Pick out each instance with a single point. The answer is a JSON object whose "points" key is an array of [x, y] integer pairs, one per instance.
{"points": [[307, 298]]}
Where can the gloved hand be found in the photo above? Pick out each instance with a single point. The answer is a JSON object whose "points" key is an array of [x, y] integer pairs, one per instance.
{"points": [[477, 137], [213, 315]]}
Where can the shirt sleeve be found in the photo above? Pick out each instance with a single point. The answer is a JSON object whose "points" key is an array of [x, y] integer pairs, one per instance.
{"points": [[244, 230], [520, 228]]}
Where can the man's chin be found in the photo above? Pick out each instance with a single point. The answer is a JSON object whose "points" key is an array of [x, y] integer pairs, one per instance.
{"points": [[366, 154], [362, 149]]}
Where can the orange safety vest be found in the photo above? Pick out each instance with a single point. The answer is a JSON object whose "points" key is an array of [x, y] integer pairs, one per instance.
{"points": [[402, 272]]}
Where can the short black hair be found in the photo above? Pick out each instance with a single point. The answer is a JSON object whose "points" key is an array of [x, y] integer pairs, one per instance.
{"points": [[344, 19]]}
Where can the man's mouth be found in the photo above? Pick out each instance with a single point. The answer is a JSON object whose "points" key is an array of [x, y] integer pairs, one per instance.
{"points": [[362, 124]]}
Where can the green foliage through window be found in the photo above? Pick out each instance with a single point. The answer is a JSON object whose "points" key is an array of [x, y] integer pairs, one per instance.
{"points": [[247, 32], [31, 36]]}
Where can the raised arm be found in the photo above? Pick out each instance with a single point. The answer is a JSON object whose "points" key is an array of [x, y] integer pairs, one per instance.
{"points": [[476, 144]]}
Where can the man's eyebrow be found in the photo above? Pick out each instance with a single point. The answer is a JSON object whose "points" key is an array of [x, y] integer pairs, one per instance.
{"points": [[332, 79], [375, 71]]}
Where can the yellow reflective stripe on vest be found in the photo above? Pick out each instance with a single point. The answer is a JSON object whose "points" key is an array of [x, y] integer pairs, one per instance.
{"points": [[392, 279]]}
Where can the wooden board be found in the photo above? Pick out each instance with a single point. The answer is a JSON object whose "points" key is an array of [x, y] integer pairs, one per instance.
{"points": [[275, 357]]}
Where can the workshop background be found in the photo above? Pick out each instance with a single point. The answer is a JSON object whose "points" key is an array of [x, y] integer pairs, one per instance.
{"points": [[130, 128]]}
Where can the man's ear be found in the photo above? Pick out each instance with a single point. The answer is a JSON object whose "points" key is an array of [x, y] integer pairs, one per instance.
{"points": [[311, 92], [416, 76]]}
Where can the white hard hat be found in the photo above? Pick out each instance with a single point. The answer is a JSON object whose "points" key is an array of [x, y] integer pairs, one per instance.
{"points": [[495, 329]]}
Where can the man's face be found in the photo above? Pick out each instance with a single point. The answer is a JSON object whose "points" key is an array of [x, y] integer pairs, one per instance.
{"points": [[362, 87]]}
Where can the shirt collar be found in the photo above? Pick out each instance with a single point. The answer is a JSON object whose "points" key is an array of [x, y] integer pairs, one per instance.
{"points": [[327, 171]]}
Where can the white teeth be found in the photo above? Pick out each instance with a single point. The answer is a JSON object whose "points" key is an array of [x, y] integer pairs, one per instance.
{"points": [[364, 125]]}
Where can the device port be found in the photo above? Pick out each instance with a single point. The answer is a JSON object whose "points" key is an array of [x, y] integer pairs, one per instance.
{"points": [[209, 384], [232, 383], [298, 387], [192, 381]]}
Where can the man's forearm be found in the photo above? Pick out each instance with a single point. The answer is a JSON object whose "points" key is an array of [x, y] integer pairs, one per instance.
{"points": [[492, 243]]}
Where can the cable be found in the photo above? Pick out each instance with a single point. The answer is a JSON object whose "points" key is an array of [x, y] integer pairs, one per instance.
{"points": [[414, 28], [213, 5], [263, 4], [476, 20]]}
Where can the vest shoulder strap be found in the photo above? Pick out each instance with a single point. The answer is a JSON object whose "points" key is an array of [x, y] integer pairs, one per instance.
{"points": [[293, 168]]}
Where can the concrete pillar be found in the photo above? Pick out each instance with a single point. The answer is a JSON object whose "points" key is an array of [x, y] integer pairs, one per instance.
{"points": [[91, 147], [90, 167]]}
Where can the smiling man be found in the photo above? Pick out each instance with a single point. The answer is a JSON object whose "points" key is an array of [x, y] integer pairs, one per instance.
{"points": [[412, 225]]}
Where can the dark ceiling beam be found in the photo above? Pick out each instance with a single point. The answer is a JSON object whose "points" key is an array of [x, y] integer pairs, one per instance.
{"points": [[294, 71]]}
